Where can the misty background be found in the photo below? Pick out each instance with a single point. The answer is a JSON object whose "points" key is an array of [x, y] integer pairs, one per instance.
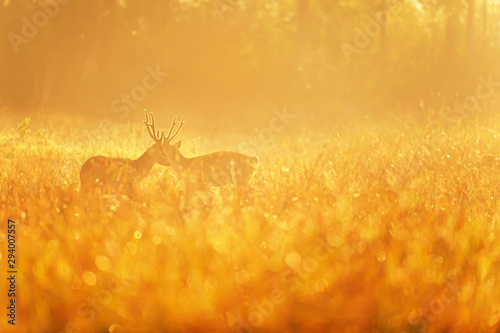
{"points": [[234, 61]]}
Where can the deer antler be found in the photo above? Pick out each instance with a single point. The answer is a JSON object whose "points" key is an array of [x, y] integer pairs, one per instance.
{"points": [[157, 137], [175, 122], [171, 136]]}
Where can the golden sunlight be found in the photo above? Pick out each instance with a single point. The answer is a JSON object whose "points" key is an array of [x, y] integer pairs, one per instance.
{"points": [[250, 166]]}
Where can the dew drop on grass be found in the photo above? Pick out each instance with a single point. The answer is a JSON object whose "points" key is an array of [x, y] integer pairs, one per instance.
{"points": [[102, 263], [242, 277], [89, 278], [381, 256], [293, 259]]}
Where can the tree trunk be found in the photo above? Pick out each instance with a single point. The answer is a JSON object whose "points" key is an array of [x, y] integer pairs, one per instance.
{"points": [[449, 61], [302, 28], [469, 46], [383, 38]]}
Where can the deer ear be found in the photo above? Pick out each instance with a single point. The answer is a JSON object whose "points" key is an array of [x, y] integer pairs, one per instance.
{"points": [[177, 144]]}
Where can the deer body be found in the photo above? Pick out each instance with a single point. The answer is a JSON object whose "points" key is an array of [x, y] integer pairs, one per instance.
{"points": [[122, 175], [217, 169]]}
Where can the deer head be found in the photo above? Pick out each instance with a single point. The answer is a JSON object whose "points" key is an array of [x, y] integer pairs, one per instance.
{"points": [[156, 151], [172, 149]]}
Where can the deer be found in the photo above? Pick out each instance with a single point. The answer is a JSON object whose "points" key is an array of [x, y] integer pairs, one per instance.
{"points": [[122, 175], [213, 169]]}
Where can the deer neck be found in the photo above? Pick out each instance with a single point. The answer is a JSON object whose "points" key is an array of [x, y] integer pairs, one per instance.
{"points": [[179, 162], [143, 164]]}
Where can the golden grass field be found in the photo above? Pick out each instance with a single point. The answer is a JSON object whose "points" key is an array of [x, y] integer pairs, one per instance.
{"points": [[387, 227]]}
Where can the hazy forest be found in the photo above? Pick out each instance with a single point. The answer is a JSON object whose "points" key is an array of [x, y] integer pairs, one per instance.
{"points": [[330, 166]]}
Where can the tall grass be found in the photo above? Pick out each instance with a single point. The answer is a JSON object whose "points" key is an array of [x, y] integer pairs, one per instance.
{"points": [[373, 228]]}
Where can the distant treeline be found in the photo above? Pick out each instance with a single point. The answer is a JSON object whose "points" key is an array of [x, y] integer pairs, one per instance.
{"points": [[95, 55]]}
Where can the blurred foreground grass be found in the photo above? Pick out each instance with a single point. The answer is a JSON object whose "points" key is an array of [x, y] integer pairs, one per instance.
{"points": [[374, 228]]}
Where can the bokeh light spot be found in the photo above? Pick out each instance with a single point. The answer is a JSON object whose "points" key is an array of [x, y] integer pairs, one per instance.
{"points": [[293, 259], [102, 263], [89, 278], [63, 268], [381, 256], [242, 277]]}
